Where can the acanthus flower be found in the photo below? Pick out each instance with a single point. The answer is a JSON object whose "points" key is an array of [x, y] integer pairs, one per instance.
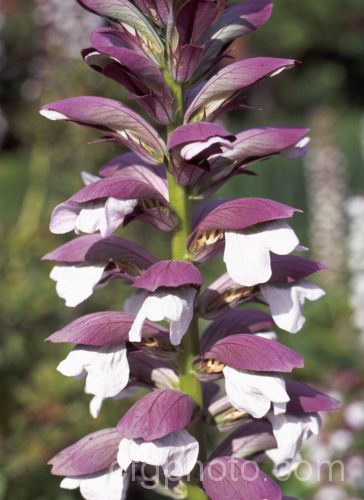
{"points": [[250, 364], [89, 262], [104, 204], [153, 432], [284, 293], [250, 229], [100, 354], [90, 464], [168, 292]]}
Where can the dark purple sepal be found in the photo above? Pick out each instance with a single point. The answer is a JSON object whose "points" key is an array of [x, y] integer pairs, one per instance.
{"points": [[103, 328], [250, 438], [185, 61], [307, 399], [236, 21], [91, 454], [142, 367], [119, 163], [235, 322], [123, 14], [158, 10], [117, 121], [119, 187], [128, 258], [169, 273], [287, 269], [156, 415], [238, 479], [224, 87], [250, 352], [196, 132]]}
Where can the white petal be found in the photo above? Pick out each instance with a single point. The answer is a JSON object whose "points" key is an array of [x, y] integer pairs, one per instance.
{"points": [[277, 236], [267, 335], [252, 392], [70, 483], [52, 115], [106, 367], [107, 375], [286, 301], [135, 333], [123, 457], [247, 255], [135, 302], [90, 217], [290, 431], [195, 148], [182, 316], [76, 283], [183, 453], [115, 212], [76, 361], [88, 178], [63, 218], [112, 485], [137, 450], [164, 378], [247, 261], [177, 453]]}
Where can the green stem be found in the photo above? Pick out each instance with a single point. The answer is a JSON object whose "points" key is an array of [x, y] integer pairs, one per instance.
{"points": [[190, 346]]}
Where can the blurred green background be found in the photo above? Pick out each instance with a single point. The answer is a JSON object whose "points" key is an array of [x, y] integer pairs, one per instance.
{"points": [[42, 411]]}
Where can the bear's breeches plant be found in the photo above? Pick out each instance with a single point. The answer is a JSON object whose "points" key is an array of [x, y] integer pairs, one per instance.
{"points": [[234, 378]]}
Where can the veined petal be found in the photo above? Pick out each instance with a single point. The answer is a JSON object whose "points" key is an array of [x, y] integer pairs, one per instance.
{"points": [[290, 431], [156, 415], [286, 302], [253, 392], [237, 479], [118, 121], [124, 13], [92, 454], [76, 283], [110, 484], [229, 81]]}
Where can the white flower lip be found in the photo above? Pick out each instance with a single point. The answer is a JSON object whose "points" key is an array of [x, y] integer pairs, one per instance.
{"points": [[247, 252], [254, 393], [52, 115], [290, 431], [177, 453], [76, 283], [106, 370], [286, 302], [111, 484], [175, 305]]}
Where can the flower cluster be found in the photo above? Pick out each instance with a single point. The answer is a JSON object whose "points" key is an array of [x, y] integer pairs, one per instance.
{"points": [[163, 53]]}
